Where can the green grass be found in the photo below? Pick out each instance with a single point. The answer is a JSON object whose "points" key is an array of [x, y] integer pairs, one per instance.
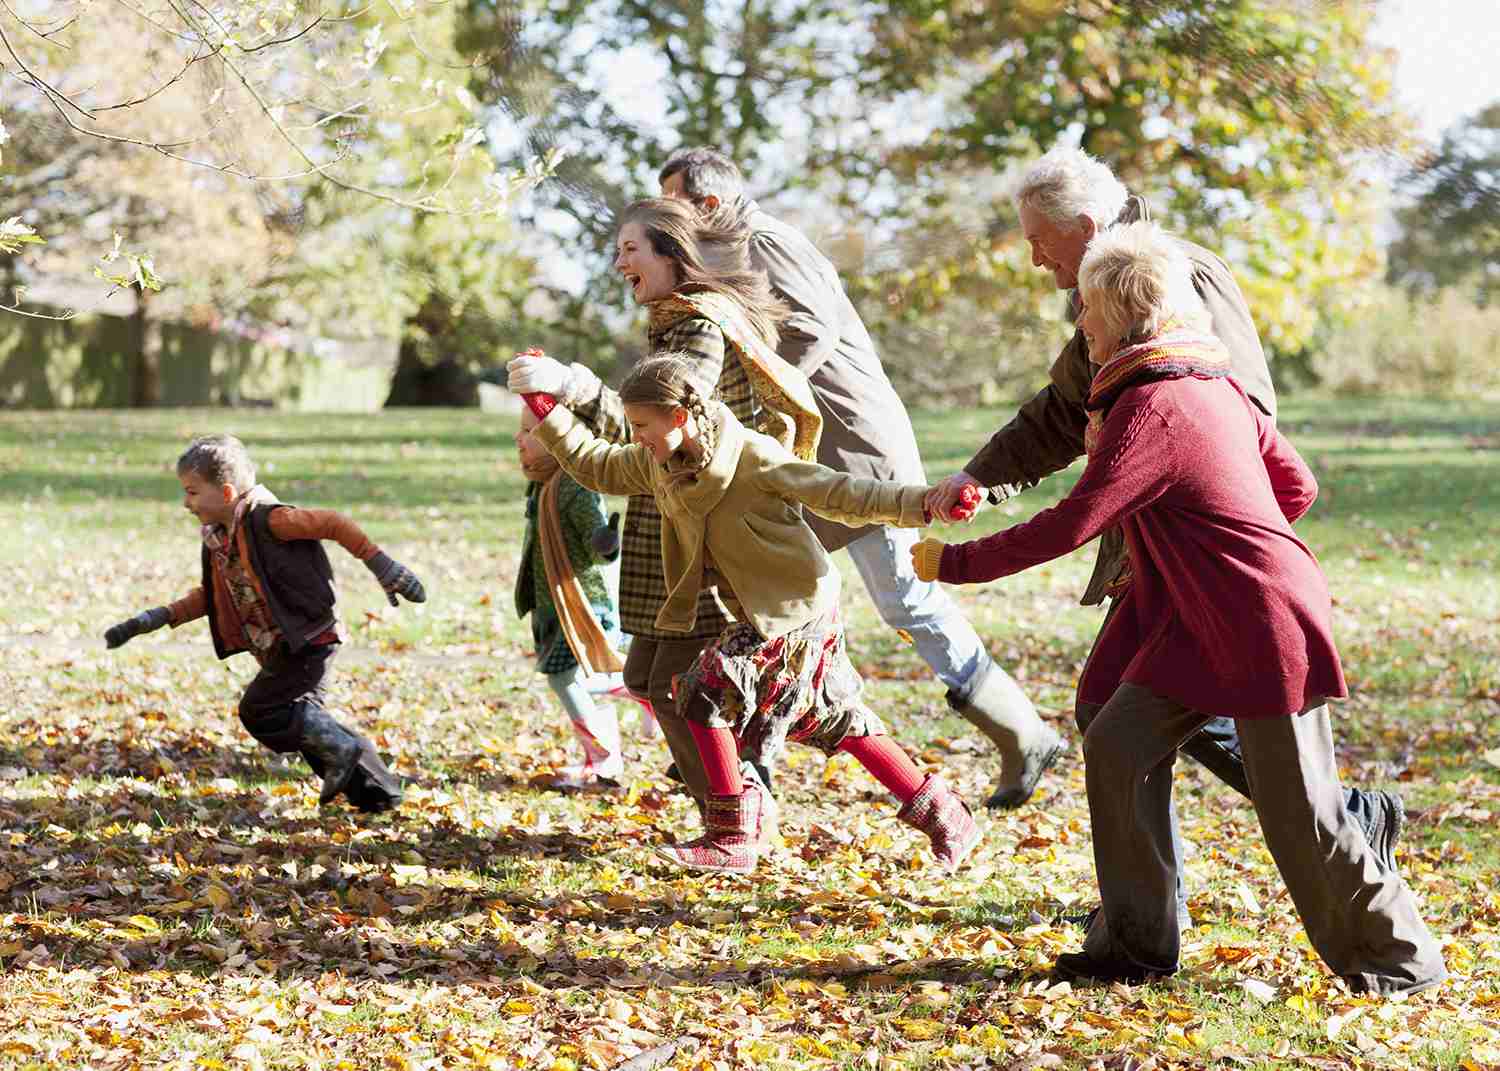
{"points": [[193, 908]]}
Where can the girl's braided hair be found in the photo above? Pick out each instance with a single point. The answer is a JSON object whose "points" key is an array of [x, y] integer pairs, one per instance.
{"points": [[672, 380]]}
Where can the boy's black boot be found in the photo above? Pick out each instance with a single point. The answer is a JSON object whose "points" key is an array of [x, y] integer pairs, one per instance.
{"points": [[369, 784], [335, 748]]}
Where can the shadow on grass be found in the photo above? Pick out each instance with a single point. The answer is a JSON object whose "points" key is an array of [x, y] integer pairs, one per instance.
{"points": [[169, 871]]}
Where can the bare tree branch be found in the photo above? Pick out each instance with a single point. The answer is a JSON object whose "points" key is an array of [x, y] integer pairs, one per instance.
{"points": [[51, 92], [281, 40], [164, 86]]}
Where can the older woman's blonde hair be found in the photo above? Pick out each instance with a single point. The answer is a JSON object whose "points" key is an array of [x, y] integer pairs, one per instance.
{"points": [[1136, 277]]}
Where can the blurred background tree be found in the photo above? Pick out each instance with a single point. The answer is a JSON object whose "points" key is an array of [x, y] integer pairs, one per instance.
{"points": [[445, 174], [276, 161], [1450, 231], [1242, 121]]}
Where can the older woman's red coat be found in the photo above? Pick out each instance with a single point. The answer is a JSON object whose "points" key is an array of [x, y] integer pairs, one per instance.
{"points": [[1227, 610]]}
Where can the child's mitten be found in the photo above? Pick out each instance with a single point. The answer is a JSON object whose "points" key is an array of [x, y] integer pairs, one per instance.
{"points": [[927, 558], [395, 578], [605, 540], [540, 404], [143, 622]]}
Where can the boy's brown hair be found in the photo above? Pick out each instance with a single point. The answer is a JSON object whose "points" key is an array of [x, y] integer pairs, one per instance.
{"points": [[219, 459]]}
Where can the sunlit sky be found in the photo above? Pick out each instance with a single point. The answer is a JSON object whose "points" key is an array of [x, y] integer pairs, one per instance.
{"points": [[1449, 56]]}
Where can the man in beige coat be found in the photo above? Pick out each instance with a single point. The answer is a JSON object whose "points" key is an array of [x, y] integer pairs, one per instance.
{"points": [[866, 432], [1064, 199]]}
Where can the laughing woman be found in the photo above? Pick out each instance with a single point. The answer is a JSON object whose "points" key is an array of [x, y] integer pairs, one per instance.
{"points": [[693, 276]]}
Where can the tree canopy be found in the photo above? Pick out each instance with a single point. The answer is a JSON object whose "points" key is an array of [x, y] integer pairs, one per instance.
{"points": [[1450, 230]]}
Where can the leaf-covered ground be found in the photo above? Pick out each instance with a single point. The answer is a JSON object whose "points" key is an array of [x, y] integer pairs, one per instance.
{"points": [[171, 896]]}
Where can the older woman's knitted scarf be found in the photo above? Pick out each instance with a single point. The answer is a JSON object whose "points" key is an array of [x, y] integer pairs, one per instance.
{"points": [[1174, 352]]}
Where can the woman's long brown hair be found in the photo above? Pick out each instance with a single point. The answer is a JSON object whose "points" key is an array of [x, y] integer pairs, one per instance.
{"points": [[711, 252]]}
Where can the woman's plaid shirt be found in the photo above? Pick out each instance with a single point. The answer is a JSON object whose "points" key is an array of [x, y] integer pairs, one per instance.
{"points": [[643, 585]]}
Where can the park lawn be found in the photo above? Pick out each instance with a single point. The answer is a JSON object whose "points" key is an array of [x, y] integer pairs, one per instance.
{"points": [[170, 896]]}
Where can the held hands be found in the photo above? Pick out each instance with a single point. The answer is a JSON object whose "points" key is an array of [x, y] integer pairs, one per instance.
{"points": [[141, 623], [605, 540], [395, 578], [964, 509], [955, 499]]}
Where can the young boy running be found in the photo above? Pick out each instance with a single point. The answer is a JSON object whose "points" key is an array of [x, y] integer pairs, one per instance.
{"points": [[268, 589]]}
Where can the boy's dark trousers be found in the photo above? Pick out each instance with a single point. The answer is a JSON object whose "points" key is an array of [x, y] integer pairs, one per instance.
{"points": [[277, 704]]}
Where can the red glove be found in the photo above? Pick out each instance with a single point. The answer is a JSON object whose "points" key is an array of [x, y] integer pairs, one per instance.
{"points": [[968, 502], [540, 404]]}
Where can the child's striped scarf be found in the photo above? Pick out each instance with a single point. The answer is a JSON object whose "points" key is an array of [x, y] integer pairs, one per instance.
{"points": [[1176, 351]]}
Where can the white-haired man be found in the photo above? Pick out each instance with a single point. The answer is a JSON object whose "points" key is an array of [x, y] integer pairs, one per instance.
{"points": [[866, 432], [1064, 199]]}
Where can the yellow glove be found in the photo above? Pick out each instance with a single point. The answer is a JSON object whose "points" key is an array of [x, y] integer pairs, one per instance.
{"points": [[927, 558]]}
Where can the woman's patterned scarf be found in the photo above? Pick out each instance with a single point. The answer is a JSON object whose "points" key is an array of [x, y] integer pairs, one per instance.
{"points": [[1174, 352], [778, 386]]}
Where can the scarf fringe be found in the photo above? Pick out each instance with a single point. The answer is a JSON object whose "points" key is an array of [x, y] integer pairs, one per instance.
{"points": [[1177, 352]]}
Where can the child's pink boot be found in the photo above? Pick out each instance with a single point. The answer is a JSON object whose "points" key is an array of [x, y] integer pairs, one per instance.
{"points": [[946, 820], [731, 839]]}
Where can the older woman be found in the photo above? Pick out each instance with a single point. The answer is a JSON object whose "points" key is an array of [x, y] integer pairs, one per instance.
{"points": [[1224, 612], [704, 301]]}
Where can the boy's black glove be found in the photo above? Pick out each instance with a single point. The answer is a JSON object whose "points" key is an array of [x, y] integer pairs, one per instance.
{"points": [[606, 538], [145, 621], [395, 578]]}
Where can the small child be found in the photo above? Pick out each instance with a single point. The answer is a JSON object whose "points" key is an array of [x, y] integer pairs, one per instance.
{"points": [[268, 589], [574, 622], [730, 500]]}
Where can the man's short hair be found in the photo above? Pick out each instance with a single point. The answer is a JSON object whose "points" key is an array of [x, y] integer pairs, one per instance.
{"points": [[1137, 278], [705, 173], [219, 459], [1067, 183]]}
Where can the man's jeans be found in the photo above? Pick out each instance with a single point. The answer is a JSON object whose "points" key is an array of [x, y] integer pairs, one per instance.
{"points": [[942, 635]]}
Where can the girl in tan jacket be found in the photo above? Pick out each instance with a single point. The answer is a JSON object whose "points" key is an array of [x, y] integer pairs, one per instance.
{"points": [[730, 499]]}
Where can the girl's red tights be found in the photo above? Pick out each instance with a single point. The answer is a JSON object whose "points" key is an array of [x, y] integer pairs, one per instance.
{"points": [[721, 759], [881, 755], [891, 766]]}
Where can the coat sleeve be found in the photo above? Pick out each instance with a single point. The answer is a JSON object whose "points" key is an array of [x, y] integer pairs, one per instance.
{"points": [[1292, 481], [699, 339], [1046, 434], [190, 607], [583, 512], [288, 523], [810, 335], [600, 410], [1234, 326], [599, 466], [1129, 470], [851, 500]]}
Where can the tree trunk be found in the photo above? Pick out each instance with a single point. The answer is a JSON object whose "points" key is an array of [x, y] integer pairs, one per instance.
{"points": [[443, 382], [427, 373], [145, 357]]}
